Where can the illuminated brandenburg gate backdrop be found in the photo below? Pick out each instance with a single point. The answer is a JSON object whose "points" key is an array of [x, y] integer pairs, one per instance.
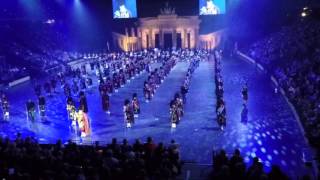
{"points": [[167, 30]]}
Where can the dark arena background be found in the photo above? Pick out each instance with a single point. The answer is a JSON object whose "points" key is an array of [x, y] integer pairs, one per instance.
{"points": [[159, 89]]}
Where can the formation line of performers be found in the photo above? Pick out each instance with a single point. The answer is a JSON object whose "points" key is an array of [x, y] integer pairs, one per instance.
{"points": [[4, 106], [177, 104], [156, 77], [220, 108], [131, 110], [112, 70], [129, 70]]}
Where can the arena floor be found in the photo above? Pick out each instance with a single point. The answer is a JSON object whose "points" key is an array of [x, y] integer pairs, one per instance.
{"points": [[271, 132]]}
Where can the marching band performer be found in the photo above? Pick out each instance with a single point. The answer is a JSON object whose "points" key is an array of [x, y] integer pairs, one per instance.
{"points": [[210, 8], [221, 115], [122, 78], [244, 114], [105, 102], [146, 91], [42, 106], [116, 83], [83, 123], [71, 109], [183, 92], [244, 93], [174, 117], [101, 87], [135, 105], [122, 12], [179, 104], [5, 107], [128, 113], [83, 102], [108, 86], [31, 109]]}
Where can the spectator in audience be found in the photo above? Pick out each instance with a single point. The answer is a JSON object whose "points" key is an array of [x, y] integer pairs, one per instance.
{"points": [[26, 159]]}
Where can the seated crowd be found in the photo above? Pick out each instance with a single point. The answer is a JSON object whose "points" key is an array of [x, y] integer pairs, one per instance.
{"points": [[225, 168], [292, 55], [9, 73], [27, 159], [43, 47]]}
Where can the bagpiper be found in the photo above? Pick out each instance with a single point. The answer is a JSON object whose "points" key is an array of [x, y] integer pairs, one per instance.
{"points": [[83, 102], [146, 91], [183, 92], [128, 113], [135, 105], [31, 109], [221, 116], [174, 118], [5, 107], [179, 104], [42, 106], [109, 86], [116, 83], [71, 109], [244, 93], [105, 102]]}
